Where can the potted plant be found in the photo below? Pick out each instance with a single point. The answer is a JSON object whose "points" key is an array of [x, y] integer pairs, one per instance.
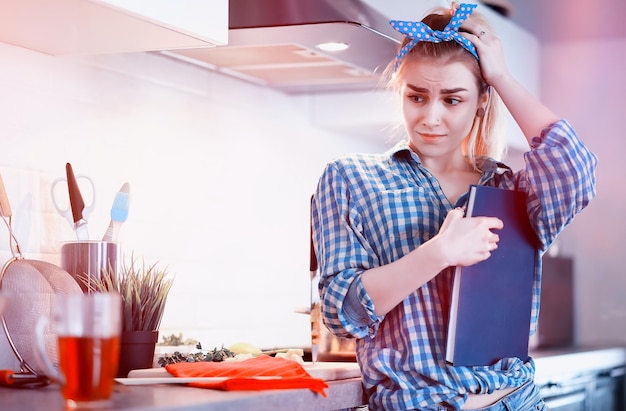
{"points": [[144, 290]]}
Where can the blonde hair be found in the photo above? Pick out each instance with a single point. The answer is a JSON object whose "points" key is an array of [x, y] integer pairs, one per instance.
{"points": [[486, 137]]}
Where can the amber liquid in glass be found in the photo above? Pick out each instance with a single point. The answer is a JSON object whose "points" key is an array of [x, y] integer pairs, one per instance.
{"points": [[89, 365]]}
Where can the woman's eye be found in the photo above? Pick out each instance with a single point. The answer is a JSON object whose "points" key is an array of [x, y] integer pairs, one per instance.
{"points": [[416, 98], [453, 101]]}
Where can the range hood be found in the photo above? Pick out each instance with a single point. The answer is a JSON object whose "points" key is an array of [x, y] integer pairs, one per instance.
{"points": [[276, 43]]}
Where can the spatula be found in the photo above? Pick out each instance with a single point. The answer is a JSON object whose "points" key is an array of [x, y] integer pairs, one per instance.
{"points": [[119, 213]]}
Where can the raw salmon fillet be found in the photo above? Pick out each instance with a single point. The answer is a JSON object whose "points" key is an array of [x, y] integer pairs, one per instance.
{"points": [[241, 374]]}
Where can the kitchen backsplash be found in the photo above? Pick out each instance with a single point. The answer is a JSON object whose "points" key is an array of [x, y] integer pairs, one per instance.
{"points": [[220, 173]]}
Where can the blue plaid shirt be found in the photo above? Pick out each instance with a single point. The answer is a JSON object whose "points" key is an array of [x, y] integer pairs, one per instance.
{"points": [[370, 210]]}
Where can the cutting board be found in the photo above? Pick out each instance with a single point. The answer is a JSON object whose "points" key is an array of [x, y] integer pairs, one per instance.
{"points": [[328, 371]]}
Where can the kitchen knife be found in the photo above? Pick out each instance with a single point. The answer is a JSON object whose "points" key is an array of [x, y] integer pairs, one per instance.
{"points": [[316, 318], [185, 380], [77, 205], [5, 207], [10, 378]]}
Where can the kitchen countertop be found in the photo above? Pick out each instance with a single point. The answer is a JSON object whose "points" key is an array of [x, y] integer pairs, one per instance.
{"points": [[551, 365], [341, 394], [563, 363]]}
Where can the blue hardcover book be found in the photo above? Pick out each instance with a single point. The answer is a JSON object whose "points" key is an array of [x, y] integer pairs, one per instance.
{"points": [[492, 300]]}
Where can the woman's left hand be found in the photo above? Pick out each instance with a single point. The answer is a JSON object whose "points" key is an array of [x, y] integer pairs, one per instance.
{"points": [[489, 49], [529, 113]]}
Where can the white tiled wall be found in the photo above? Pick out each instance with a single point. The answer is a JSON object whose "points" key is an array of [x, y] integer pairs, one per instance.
{"points": [[220, 173]]}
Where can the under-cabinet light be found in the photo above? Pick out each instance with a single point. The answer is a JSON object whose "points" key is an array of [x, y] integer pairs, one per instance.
{"points": [[333, 46]]}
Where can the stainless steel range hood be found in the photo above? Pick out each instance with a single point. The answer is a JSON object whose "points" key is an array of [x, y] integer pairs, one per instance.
{"points": [[275, 43]]}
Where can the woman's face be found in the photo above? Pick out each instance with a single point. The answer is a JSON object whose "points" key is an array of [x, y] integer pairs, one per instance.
{"points": [[439, 103]]}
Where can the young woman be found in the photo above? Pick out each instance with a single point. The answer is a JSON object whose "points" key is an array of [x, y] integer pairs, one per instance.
{"points": [[389, 228]]}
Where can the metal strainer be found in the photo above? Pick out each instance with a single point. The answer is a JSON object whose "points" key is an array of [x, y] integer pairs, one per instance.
{"points": [[31, 287]]}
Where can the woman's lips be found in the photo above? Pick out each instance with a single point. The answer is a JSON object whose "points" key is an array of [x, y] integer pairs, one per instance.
{"points": [[431, 138]]}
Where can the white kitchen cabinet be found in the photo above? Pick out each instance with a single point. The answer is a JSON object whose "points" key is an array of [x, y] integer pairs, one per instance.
{"points": [[63, 27], [571, 379], [594, 391]]}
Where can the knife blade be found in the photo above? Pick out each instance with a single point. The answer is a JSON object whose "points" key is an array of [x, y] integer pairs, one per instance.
{"points": [[316, 319], [10, 378], [186, 380], [77, 204]]}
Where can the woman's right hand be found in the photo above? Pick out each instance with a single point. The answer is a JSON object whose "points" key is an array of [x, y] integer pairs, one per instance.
{"points": [[460, 241], [466, 241]]}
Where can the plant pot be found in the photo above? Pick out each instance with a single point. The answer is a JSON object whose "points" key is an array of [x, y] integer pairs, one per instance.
{"points": [[136, 351]]}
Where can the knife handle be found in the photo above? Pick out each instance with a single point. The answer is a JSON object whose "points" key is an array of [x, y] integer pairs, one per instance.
{"points": [[6, 377], [5, 207]]}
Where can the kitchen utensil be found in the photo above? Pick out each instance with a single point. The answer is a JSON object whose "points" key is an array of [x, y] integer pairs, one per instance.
{"points": [[119, 213], [76, 211], [31, 287], [87, 261], [179, 380], [5, 207], [316, 319]]}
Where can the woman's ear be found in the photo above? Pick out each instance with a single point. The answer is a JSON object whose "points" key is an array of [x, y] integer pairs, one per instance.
{"points": [[482, 103]]}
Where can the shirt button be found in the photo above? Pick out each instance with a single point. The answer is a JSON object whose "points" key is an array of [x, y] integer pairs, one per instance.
{"points": [[536, 142]]}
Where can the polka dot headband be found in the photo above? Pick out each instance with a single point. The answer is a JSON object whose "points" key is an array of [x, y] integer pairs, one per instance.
{"points": [[418, 31]]}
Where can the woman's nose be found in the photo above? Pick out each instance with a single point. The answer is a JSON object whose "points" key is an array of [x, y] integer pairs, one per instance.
{"points": [[431, 115]]}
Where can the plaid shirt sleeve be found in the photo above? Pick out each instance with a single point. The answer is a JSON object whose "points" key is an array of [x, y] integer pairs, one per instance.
{"points": [[560, 180], [343, 254]]}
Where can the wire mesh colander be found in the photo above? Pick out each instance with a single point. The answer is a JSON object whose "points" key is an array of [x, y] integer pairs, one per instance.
{"points": [[31, 286]]}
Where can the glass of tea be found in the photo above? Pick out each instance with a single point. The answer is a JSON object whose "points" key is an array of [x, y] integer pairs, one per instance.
{"points": [[87, 329]]}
